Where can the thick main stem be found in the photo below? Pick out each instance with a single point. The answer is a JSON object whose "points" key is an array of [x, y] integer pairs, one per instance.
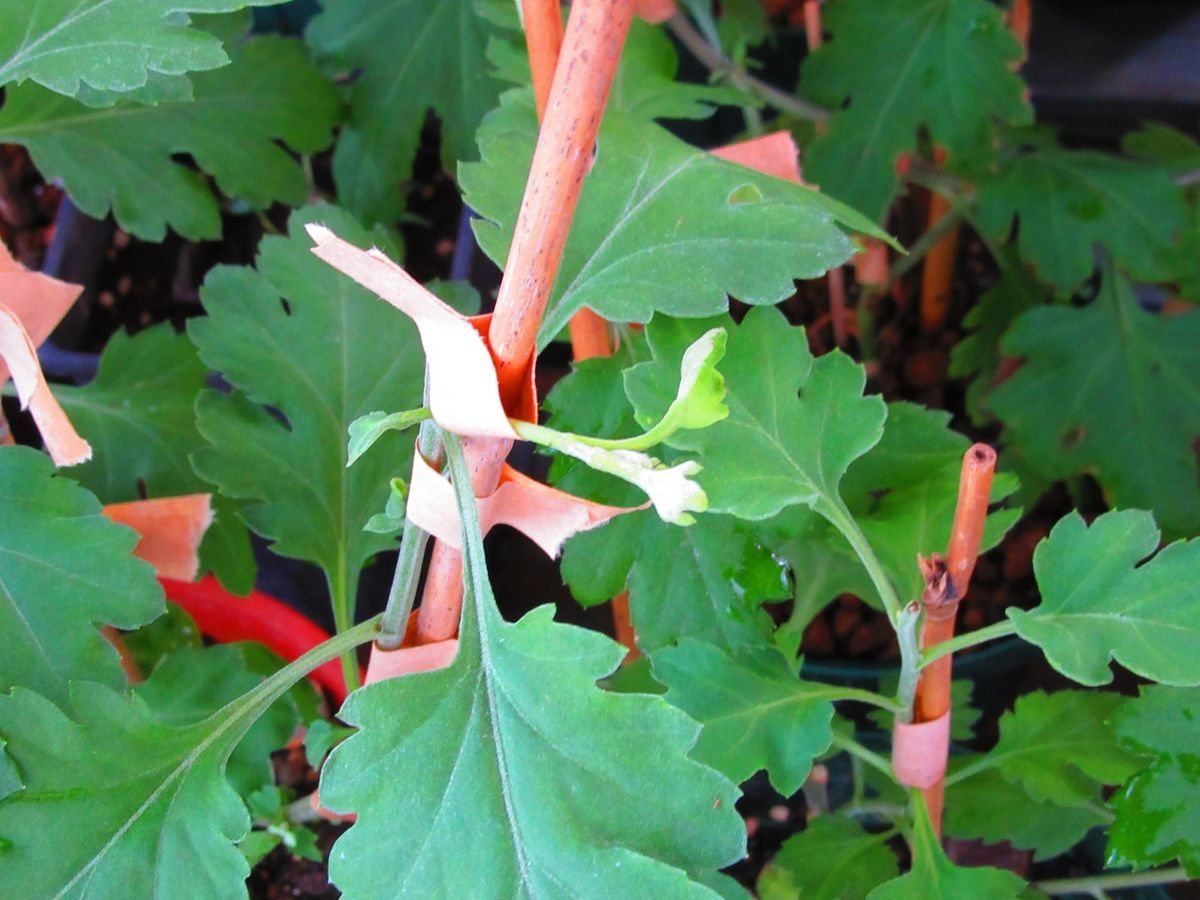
{"points": [[970, 516], [591, 48]]}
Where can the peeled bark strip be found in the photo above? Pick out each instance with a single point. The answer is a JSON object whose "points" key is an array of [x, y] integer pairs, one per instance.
{"points": [[63, 443]]}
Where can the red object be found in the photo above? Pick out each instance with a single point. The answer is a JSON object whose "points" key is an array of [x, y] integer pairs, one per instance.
{"points": [[226, 618]]}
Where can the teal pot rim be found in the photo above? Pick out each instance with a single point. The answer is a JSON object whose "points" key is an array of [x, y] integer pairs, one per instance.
{"points": [[1005, 655]]}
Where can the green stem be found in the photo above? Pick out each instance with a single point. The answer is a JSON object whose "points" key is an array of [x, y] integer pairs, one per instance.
{"points": [[274, 687], [342, 595], [412, 554], [859, 695], [1000, 629], [858, 751], [908, 637], [723, 67], [840, 518], [1092, 883]]}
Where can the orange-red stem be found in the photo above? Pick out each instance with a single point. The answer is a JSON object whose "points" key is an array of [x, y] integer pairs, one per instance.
{"points": [[543, 40], [589, 332], [591, 48], [939, 268], [970, 515]]}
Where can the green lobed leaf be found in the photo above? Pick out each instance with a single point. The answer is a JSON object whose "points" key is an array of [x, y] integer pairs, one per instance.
{"points": [[831, 859], [754, 712], [934, 877], [645, 85], [189, 685], [412, 55], [1098, 604], [108, 45], [1060, 748], [1158, 810], [50, 604], [115, 799], [124, 156], [943, 66], [661, 226], [515, 752], [986, 807], [774, 449], [1113, 390], [281, 334], [118, 804], [139, 415], [1067, 201]]}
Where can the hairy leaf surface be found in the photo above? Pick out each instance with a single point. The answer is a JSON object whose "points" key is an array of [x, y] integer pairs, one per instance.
{"points": [[515, 752], [50, 603], [108, 45]]}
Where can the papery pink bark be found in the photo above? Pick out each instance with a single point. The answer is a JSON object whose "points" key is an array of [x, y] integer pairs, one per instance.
{"points": [[171, 529], [464, 395], [63, 443], [546, 515]]}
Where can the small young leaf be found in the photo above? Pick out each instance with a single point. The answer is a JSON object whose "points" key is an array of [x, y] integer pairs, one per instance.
{"points": [[366, 430], [831, 859], [50, 604], [124, 157], [934, 877], [756, 714], [1096, 606], [775, 449], [1158, 810], [391, 519]]}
